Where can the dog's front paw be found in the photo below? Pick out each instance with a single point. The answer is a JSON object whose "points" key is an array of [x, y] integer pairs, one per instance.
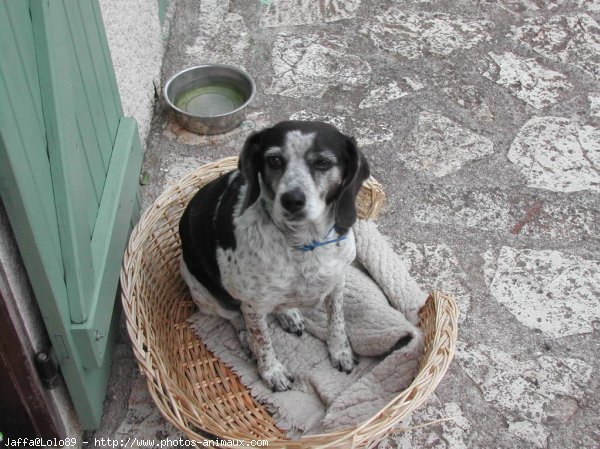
{"points": [[291, 321], [342, 357], [276, 377]]}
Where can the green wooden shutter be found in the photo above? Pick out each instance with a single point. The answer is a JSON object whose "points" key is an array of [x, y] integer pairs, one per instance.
{"points": [[69, 174]]}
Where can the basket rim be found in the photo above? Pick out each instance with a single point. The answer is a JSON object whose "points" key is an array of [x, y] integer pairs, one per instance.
{"points": [[373, 429]]}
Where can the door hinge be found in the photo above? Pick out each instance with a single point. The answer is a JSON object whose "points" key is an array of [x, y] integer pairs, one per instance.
{"points": [[47, 368]]}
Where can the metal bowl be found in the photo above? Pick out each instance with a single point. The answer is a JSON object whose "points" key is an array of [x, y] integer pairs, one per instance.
{"points": [[210, 98]]}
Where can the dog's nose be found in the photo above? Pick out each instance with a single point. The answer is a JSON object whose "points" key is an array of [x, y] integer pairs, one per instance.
{"points": [[293, 200]]}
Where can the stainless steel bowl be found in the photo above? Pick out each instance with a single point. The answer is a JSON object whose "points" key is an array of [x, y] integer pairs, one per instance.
{"points": [[210, 98]]}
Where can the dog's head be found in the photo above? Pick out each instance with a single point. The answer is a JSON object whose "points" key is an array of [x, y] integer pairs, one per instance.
{"points": [[304, 171]]}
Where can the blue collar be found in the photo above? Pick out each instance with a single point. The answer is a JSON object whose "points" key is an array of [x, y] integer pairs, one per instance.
{"points": [[314, 244]]}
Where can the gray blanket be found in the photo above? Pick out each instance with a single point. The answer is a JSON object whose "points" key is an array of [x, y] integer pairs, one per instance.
{"points": [[382, 332]]}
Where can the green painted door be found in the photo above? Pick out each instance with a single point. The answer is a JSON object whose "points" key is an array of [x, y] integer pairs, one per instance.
{"points": [[69, 167]]}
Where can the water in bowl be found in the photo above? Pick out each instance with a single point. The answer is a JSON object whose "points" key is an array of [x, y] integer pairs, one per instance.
{"points": [[209, 101]]}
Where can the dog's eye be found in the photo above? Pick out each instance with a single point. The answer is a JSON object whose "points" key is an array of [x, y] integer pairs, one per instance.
{"points": [[274, 162], [322, 164]]}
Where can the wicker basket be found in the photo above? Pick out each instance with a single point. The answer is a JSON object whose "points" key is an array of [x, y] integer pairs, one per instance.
{"points": [[197, 392]]}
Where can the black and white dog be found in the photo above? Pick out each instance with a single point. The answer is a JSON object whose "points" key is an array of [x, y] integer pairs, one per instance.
{"points": [[276, 234]]}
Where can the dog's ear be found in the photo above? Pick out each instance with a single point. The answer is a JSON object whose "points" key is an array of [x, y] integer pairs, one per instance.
{"points": [[249, 165], [357, 171]]}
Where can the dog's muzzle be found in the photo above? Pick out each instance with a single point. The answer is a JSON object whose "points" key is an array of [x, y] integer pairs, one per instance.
{"points": [[293, 202]]}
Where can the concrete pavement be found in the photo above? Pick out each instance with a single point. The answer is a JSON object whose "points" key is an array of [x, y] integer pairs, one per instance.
{"points": [[482, 121]]}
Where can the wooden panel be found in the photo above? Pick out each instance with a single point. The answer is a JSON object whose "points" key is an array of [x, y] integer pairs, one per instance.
{"points": [[91, 119], [108, 244], [96, 100], [98, 45], [26, 188], [93, 177], [93, 102], [21, 112], [67, 161], [92, 263], [162, 9]]}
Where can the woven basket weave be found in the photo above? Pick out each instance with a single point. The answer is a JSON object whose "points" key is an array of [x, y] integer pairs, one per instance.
{"points": [[197, 392]]}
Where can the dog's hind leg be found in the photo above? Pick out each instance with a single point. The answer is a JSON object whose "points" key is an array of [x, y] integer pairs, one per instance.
{"points": [[291, 320], [209, 305]]}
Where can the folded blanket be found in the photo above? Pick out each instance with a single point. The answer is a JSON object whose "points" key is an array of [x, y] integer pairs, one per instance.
{"points": [[382, 329]]}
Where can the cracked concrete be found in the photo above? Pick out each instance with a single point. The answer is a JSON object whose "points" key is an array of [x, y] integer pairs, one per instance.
{"points": [[482, 121]]}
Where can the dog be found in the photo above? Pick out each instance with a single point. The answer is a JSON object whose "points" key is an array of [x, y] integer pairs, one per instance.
{"points": [[276, 234]]}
